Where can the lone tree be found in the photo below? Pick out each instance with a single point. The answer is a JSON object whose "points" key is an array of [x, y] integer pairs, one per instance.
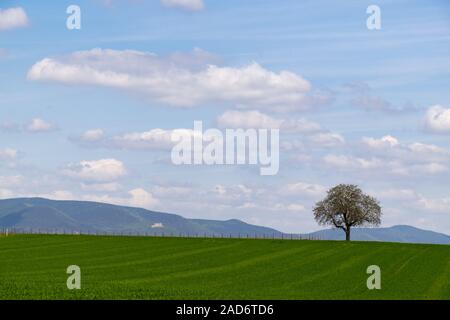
{"points": [[346, 206]]}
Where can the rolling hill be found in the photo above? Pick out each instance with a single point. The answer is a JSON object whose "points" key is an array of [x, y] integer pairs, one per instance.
{"points": [[398, 233], [84, 216]]}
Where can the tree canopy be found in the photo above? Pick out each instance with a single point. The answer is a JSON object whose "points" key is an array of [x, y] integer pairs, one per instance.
{"points": [[346, 206]]}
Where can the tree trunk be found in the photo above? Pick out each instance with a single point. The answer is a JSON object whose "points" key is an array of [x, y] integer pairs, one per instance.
{"points": [[347, 234]]}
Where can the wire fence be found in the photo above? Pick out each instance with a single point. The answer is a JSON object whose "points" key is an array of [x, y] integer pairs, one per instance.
{"points": [[278, 236]]}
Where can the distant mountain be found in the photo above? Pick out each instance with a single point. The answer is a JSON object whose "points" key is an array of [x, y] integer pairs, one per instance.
{"points": [[71, 216], [399, 233], [84, 216]]}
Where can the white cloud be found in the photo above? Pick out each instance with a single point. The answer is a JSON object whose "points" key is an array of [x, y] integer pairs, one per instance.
{"points": [[351, 162], [300, 125], [403, 162], [431, 168], [247, 120], [11, 181], [170, 82], [5, 193], [193, 5], [57, 195], [386, 141], [171, 191], [61, 195], [439, 205], [397, 194], [39, 125], [256, 119], [309, 131], [296, 207], [108, 187], [13, 18], [136, 198], [299, 189], [426, 158], [152, 139], [103, 170], [8, 154], [437, 119], [92, 135], [290, 207], [427, 148], [327, 139], [142, 198]]}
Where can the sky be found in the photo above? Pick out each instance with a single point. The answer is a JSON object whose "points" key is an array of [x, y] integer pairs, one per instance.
{"points": [[87, 113]]}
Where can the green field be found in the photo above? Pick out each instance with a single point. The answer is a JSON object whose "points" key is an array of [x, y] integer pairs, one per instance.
{"points": [[34, 267]]}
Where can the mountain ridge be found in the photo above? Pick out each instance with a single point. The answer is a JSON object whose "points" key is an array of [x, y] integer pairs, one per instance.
{"points": [[42, 214], [396, 233], [89, 216]]}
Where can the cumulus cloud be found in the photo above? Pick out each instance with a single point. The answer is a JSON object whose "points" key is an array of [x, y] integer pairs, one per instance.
{"points": [[192, 5], [247, 120], [11, 181], [437, 119], [388, 154], [142, 198], [389, 166], [350, 162], [102, 170], [327, 139], [416, 152], [58, 195], [13, 18], [168, 81], [101, 187], [35, 125], [255, 119], [92, 135], [135, 198], [439, 205], [386, 141], [38, 125], [397, 194], [303, 189], [153, 139], [309, 130], [8, 154], [5, 193], [171, 191], [364, 98]]}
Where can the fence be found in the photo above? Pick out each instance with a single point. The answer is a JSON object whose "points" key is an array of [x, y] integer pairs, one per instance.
{"points": [[129, 233]]}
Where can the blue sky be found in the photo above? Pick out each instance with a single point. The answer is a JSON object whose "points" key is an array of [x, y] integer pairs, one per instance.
{"points": [[378, 100]]}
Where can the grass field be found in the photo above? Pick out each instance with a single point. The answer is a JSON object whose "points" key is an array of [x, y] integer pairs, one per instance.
{"points": [[34, 267]]}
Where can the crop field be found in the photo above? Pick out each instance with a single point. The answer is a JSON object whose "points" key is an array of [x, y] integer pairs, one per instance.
{"points": [[113, 267]]}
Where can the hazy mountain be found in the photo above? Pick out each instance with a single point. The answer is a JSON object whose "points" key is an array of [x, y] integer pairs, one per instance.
{"points": [[84, 216], [392, 234]]}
